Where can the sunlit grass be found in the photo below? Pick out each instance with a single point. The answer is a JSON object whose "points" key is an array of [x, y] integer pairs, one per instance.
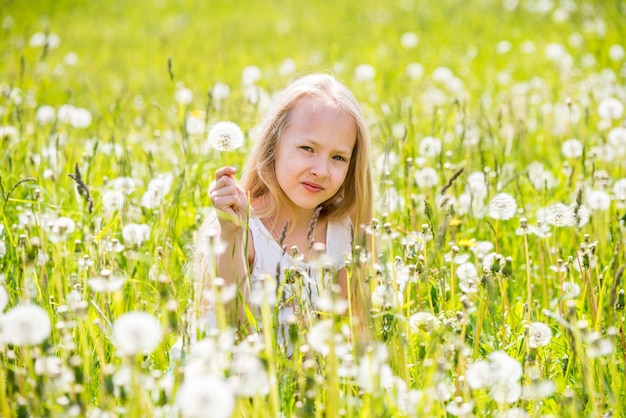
{"points": [[477, 307]]}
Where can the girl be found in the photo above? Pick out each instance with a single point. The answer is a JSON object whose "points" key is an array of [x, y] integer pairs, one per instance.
{"points": [[306, 188]]}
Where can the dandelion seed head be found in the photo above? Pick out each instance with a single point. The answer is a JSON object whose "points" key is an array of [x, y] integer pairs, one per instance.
{"points": [[3, 248], [384, 296], [207, 396], [364, 72], [414, 70], [195, 124], [409, 40], [248, 376], [221, 91], [617, 138], [427, 177], [225, 136], [503, 206], [320, 336], [610, 108], [539, 389], [558, 215], [572, 148], [26, 325], [263, 290], [45, 114], [504, 368], [424, 321], [598, 200], [539, 335], [135, 234], [136, 333], [183, 95], [112, 201], [459, 408], [250, 75], [430, 147]]}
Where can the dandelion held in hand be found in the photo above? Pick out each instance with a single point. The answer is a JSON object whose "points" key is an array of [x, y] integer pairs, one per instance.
{"points": [[225, 136]]}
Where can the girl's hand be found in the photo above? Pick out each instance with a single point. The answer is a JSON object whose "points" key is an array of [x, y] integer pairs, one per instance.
{"points": [[229, 199]]}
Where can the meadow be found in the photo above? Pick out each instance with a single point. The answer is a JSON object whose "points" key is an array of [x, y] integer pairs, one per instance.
{"points": [[496, 269]]}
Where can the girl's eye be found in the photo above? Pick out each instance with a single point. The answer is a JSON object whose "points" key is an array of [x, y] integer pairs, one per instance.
{"points": [[306, 148], [339, 158]]}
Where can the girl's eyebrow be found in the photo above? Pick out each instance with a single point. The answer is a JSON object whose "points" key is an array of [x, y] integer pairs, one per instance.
{"points": [[344, 151]]}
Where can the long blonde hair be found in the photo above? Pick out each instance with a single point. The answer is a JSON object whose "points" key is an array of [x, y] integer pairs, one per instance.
{"points": [[259, 177]]}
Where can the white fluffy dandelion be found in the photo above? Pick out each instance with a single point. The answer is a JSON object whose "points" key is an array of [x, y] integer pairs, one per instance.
{"points": [[136, 333], [409, 40], [364, 72], [610, 108], [617, 137], [430, 147], [427, 177], [206, 396], [539, 335], [26, 325], [135, 234], [598, 200], [225, 136], [572, 148], [503, 206]]}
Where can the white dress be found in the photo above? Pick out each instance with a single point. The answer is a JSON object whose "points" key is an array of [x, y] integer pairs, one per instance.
{"points": [[299, 284]]}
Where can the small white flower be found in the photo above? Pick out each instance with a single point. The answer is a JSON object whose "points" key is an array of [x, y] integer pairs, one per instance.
{"points": [[610, 108], [478, 374], [617, 137], [539, 335], [364, 72], [572, 148], [320, 336], [557, 214], [45, 114], [250, 75], [263, 290], [423, 321], [248, 376], [598, 200], [8, 133], [409, 40], [80, 118], [430, 147], [503, 206], [616, 52], [183, 96], [136, 333], [414, 70], [225, 136], [426, 177], [60, 228], [112, 201], [195, 124], [220, 91], [205, 396], [3, 249], [135, 234], [26, 325]]}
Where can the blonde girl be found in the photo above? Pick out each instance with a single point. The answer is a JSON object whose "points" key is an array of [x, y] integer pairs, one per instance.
{"points": [[304, 193]]}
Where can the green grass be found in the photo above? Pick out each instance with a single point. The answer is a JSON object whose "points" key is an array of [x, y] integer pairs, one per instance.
{"points": [[132, 57]]}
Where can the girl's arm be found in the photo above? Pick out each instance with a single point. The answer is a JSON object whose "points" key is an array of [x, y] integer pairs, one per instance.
{"points": [[231, 261]]}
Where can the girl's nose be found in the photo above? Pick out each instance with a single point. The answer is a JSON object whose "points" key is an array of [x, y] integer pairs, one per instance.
{"points": [[319, 168]]}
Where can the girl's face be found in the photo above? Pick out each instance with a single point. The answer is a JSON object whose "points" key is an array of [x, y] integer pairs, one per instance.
{"points": [[314, 152]]}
